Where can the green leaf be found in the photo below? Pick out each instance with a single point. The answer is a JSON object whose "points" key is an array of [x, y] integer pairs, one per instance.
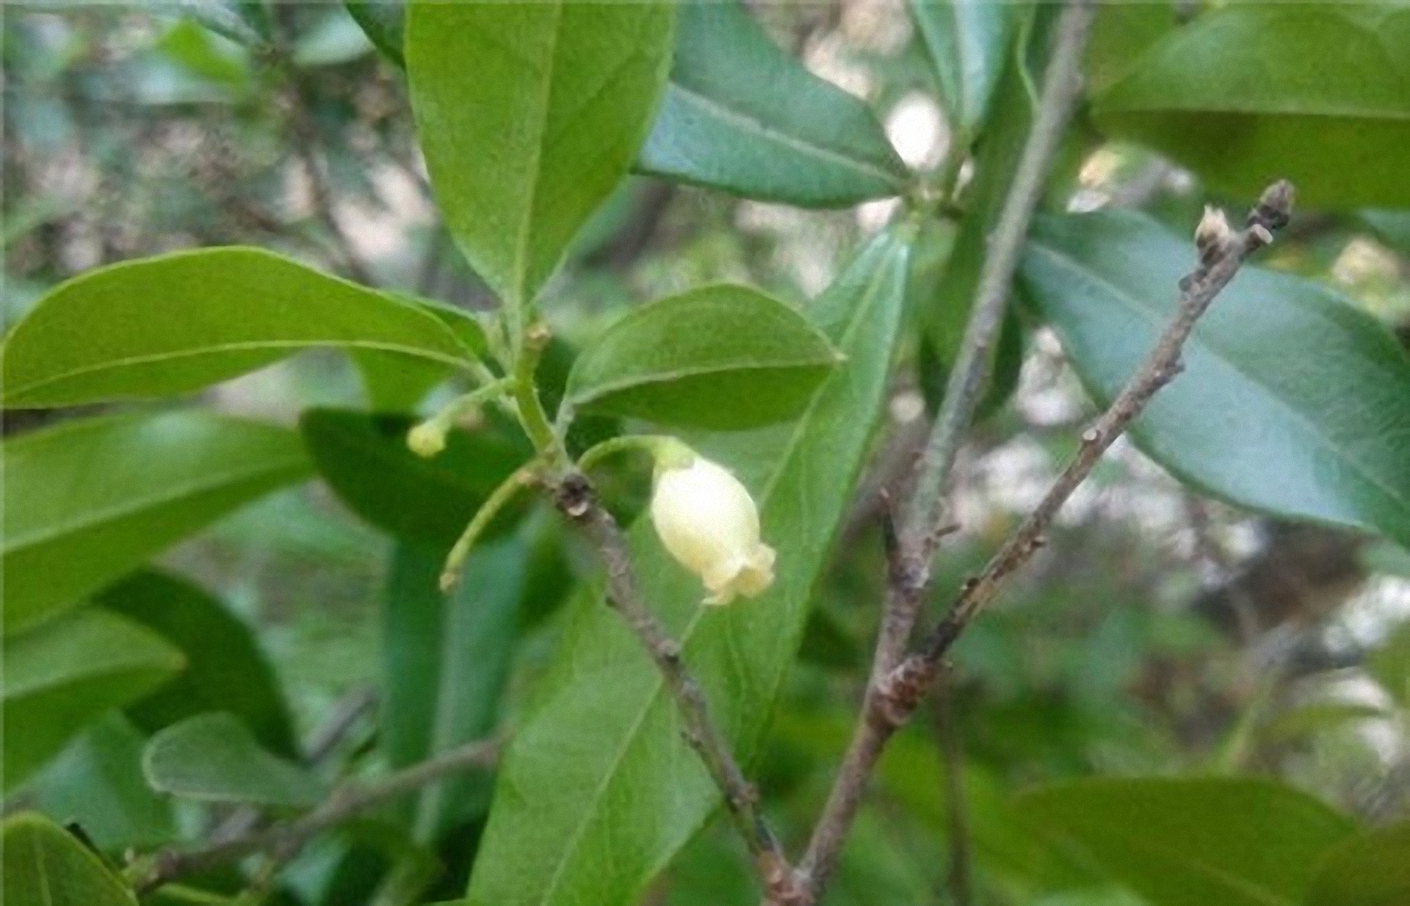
{"points": [[1389, 665], [1193, 842], [97, 782], [529, 115], [383, 21], [1371, 869], [1292, 400], [214, 758], [179, 322], [598, 790], [365, 460], [446, 660], [968, 42], [742, 116], [46, 866], [673, 361], [88, 500], [61, 676], [225, 670], [1241, 96]]}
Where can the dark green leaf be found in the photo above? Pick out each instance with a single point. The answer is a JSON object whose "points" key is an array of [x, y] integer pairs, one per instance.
{"points": [[1292, 400], [673, 361], [599, 790], [179, 322], [529, 115], [97, 783], [365, 460], [86, 501], [1241, 96], [383, 21], [46, 866], [225, 670], [1231, 841], [446, 661], [742, 116], [214, 758], [969, 43], [1372, 869], [61, 676], [1121, 33]]}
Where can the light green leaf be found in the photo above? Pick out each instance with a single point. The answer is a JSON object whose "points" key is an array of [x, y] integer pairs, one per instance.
{"points": [[64, 674], [214, 758], [969, 43], [46, 866], [446, 660], [529, 115], [599, 791], [97, 782], [1242, 96], [365, 460], [1371, 869], [335, 39], [88, 500], [1231, 841], [674, 360], [742, 116], [183, 321], [1292, 400], [225, 669], [1389, 664]]}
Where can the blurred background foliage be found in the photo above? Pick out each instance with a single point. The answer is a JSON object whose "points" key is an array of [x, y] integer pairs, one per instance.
{"points": [[1159, 632]]}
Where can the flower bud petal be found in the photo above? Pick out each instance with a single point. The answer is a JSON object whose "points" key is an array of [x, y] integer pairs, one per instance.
{"points": [[708, 522]]}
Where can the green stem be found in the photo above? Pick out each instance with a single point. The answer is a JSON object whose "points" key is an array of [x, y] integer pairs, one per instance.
{"points": [[648, 443], [455, 560], [526, 394]]}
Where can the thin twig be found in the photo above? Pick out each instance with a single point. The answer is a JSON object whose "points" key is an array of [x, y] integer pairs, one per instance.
{"points": [[918, 538], [283, 840], [577, 499], [959, 880], [1221, 256]]}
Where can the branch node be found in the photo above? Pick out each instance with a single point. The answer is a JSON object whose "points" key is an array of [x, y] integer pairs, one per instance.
{"points": [[574, 495]]}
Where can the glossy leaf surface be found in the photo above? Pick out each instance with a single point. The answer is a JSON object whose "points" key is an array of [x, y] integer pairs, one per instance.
{"points": [[742, 116], [61, 676], [179, 322], [71, 528], [599, 791], [1242, 96], [529, 115], [675, 361], [1233, 841], [214, 758], [1315, 436], [46, 866]]}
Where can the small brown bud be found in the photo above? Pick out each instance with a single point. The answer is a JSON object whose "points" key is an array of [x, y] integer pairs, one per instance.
{"points": [[1274, 208]]}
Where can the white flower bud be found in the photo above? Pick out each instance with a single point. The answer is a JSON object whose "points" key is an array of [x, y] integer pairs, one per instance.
{"points": [[427, 439], [709, 523]]}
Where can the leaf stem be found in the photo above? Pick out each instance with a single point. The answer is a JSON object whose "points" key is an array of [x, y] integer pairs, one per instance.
{"points": [[522, 477]]}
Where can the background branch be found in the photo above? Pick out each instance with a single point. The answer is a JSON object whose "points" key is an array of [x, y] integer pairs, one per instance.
{"points": [[918, 537], [283, 840]]}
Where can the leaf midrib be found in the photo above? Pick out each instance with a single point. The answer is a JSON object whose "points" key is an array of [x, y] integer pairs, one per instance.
{"points": [[96, 518], [858, 317], [1158, 319], [535, 169], [757, 126], [217, 349], [665, 377]]}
